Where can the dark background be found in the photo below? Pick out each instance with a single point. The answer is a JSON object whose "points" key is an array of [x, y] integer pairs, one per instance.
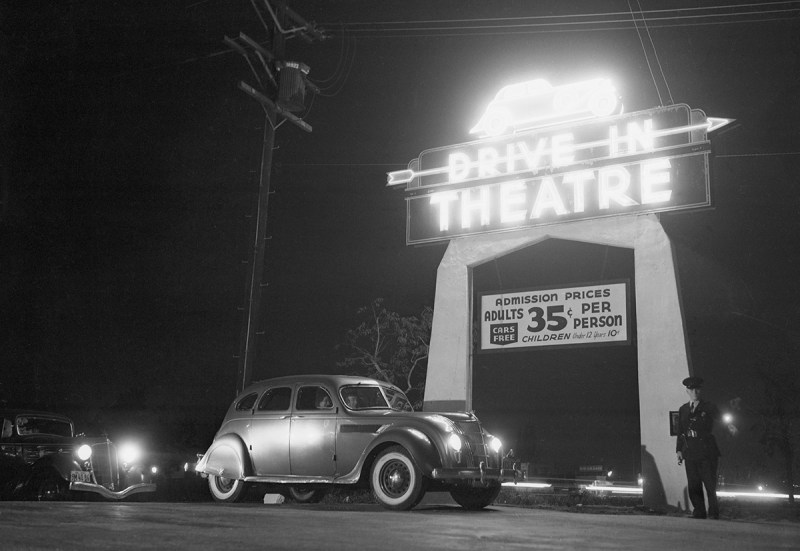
{"points": [[130, 168]]}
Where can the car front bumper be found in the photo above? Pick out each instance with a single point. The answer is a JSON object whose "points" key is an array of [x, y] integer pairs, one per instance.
{"points": [[109, 494]]}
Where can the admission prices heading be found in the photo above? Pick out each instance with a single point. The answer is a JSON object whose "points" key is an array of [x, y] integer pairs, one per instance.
{"points": [[573, 316]]}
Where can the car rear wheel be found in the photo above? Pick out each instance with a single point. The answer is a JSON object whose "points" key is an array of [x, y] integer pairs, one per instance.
{"points": [[396, 481], [226, 490], [475, 498], [302, 494]]}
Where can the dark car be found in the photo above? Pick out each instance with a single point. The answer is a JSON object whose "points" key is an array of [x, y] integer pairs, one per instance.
{"points": [[303, 435], [42, 458]]}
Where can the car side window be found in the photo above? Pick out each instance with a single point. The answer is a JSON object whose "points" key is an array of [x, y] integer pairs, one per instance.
{"points": [[276, 399], [7, 428], [247, 402], [311, 398]]}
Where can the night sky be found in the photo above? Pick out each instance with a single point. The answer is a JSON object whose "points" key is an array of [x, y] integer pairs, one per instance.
{"points": [[130, 168]]}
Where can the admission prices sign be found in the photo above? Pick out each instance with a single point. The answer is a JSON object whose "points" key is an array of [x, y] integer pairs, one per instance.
{"points": [[647, 161], [583, 315]]}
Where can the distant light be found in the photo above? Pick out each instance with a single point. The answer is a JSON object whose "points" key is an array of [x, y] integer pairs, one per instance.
{"points": [[614, 489], [527, 484], [154, 469], [640, 481], [760, 488], [610, 473], [728, 418]]}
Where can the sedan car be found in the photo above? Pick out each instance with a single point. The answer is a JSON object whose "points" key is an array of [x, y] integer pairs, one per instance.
{"points": [[537, 103], [42, 458], [303, 435]]}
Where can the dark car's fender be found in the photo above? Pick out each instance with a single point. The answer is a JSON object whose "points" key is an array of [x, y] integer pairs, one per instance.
{"points": [[62, 463], [227, 456], [420, 446]]}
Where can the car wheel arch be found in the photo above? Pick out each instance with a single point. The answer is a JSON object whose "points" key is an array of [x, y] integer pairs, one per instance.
{"points": [[61, 463], [426, 456], [226, 456]]}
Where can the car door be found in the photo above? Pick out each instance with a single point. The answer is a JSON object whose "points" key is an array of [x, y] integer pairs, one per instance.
{"points": [[269, 432], [312, 443]]}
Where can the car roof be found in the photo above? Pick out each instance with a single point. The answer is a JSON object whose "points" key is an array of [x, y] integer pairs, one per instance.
{"points": [[330, 380]]}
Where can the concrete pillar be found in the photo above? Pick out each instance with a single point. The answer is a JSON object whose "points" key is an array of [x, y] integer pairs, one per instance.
{"points": [[662, 354]]}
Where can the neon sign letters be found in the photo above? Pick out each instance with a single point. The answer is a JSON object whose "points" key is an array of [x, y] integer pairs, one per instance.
{"points": [[648, 161]]}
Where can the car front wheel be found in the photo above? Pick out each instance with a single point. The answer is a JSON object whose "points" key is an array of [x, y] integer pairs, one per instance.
{"points": [[47, 485], [226, 490], [475, 498], [396, 481]]}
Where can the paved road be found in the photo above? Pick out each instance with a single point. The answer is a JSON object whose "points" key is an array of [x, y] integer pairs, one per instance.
{"points": [[119, 526]]}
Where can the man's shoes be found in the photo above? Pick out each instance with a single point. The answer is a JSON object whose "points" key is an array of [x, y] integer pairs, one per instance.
{"points": [[714, 517], [698, 515]]}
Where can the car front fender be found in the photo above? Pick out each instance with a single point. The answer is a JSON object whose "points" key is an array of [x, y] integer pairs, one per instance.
{"points": [[61, 463], [422, 448], [227, 456]]}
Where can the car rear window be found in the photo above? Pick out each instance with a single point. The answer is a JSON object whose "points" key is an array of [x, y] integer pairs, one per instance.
{"points": [[276, 399], [247, 402]]}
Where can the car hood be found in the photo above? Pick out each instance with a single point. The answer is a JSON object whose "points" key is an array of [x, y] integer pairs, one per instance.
{"points": [[456, 417]]}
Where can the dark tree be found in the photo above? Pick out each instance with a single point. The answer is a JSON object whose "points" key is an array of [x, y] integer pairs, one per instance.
{"points": [[390, 347]]}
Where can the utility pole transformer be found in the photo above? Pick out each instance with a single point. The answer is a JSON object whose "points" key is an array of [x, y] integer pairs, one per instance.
{"points": [[280, 89]]}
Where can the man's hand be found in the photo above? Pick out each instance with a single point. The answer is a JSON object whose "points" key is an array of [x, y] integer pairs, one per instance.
{"points": [[680, 458]]}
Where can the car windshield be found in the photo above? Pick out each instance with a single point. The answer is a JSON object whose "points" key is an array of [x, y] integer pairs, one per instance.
{"points": [[30, 424], [360, 397]]}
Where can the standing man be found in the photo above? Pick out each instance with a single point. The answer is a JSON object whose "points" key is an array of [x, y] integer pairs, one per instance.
{"points": [[697, 448]]}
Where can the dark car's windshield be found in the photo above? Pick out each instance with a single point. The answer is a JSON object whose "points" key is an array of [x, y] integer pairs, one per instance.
{"points": [[359, 397], [31, 424]]}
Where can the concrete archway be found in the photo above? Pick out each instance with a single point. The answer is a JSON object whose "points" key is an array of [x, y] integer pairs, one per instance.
{"points": [[662, 357]]}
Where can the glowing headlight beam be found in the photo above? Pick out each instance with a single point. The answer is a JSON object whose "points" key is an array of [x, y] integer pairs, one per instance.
{"points": [[84, 452], [454, 442], [129, 453]]}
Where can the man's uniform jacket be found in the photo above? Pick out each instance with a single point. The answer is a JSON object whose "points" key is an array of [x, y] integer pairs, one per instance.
{"points": [[695, 440]]}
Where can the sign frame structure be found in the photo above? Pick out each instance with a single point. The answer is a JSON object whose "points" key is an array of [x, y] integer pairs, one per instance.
{"points": [[654, 160], [589, 305]]}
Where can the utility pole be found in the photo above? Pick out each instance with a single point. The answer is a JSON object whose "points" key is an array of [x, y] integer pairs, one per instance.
{"points": [[280, 89]]}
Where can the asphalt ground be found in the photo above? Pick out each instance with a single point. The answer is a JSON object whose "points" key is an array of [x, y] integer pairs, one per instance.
{"points": [[434, 524]]}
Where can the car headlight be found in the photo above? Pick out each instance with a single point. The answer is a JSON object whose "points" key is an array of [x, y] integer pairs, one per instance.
{"points": [[129, 453], [84, 452], [495, 444], [454, 442]]}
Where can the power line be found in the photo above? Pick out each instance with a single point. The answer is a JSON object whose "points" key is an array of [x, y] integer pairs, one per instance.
{"points": [[591, 22], [623, 15]]}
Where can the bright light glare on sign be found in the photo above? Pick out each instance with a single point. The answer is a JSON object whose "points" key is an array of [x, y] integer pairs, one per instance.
{"points": [[537, 103]]}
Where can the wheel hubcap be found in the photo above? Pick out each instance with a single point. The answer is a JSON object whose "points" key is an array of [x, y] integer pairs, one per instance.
{"points": [[395, 479]]}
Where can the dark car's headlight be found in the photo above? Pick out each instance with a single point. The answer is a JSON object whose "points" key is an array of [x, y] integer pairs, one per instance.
{"points": [[130, 453], [495, 444], [84, 452]]}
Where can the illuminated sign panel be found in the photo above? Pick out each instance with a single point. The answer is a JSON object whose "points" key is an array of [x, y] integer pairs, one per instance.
{"points": [[648, 161], [573, 316]]}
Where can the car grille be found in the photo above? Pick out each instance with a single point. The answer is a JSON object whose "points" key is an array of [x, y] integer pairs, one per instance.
{"points": [[476, 443], [105, 465]]}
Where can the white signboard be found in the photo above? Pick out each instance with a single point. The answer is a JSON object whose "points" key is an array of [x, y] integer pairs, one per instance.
{"points": [[577, 316]]}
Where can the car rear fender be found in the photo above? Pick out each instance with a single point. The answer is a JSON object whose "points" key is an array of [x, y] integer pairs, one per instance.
{"points": [[421, 447], [227, 456]]}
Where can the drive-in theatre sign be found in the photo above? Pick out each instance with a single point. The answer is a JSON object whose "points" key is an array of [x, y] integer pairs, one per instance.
{"points": [[647, 161]]}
